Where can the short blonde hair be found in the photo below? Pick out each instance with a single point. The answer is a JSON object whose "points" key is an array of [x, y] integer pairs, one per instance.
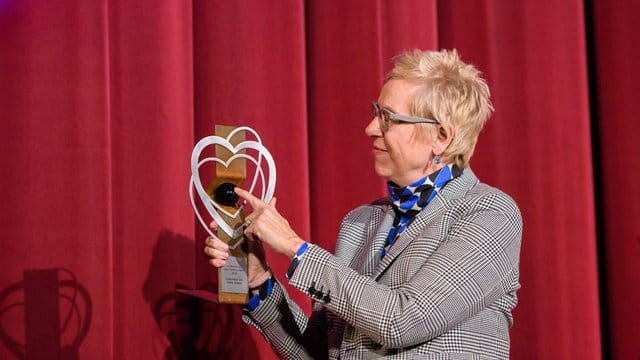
{"points": [[449, 91]]}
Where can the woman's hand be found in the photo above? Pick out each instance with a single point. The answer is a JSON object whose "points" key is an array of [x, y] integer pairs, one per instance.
{"points": [[257, 268], [268, 226]]}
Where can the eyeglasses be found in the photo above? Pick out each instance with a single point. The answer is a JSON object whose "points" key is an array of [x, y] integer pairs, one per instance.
{"points": [[386, 116]]}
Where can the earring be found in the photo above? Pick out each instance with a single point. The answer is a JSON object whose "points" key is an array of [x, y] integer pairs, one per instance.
{"points": [[437, 159]]}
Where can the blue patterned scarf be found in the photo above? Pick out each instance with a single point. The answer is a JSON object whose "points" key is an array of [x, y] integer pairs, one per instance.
{"points": [[408, 201]]}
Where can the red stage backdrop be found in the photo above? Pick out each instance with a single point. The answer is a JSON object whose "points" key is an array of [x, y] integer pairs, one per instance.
{"points": [[101, 103]]}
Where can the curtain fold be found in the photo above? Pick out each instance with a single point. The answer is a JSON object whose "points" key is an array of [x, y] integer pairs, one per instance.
{"points": [[55, 149], [101, 103], [254, 77], [614, 100], [151, 99], [537, 147], [352, 57]]}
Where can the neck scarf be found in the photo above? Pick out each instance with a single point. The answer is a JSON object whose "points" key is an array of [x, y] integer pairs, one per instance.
{"points": [[408, 201]]}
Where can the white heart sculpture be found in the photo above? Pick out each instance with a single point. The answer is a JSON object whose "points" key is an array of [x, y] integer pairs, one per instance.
{"points": [[212, 207]]}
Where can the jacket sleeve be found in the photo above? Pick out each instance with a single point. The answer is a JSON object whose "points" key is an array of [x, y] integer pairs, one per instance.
{"points": [[472, 268], [286, 327]]}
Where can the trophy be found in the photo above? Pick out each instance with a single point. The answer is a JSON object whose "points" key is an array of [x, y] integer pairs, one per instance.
{"points": [[233, 154]]}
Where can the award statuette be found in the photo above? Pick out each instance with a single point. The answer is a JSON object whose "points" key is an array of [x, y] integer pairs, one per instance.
{"points": [[232, 151]]}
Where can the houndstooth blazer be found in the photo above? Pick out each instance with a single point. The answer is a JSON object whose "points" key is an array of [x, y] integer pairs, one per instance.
{"points": [[445, 289]]}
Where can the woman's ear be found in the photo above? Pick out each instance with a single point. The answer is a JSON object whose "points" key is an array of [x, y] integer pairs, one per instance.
{"points": [[445, 136]]}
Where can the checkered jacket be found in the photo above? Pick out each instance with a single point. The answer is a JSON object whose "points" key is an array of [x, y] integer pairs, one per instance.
{"points": [[445, 289]]}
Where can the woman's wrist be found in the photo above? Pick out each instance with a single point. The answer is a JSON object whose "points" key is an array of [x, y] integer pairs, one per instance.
{"points": [[296, 243], [255, 283]]}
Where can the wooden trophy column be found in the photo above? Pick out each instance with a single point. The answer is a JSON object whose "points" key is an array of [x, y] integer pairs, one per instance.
{"points": [[232, 278]]}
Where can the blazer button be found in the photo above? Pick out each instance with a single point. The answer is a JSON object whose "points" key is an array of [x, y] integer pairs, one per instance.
{"points": [[376, 346], [327, 298], [312, 289]]}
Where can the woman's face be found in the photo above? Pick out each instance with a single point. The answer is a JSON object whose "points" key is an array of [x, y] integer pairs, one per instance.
{"points": [[400, 155]]}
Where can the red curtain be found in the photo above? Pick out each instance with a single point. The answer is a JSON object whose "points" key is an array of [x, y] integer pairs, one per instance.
{"points": [[101, 103]]}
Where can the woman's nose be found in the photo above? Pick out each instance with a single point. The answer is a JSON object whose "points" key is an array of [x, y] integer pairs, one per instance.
{"points": [[373, 129]]}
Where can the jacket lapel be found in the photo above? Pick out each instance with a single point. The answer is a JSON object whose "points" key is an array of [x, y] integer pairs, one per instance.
{"points": [[367, 263]]}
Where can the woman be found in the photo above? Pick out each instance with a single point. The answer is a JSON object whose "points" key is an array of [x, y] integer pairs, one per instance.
{"points": [[430, 272]]}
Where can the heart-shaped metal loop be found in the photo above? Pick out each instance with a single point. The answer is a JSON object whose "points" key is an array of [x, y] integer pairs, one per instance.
{"points": [[238, 151]]}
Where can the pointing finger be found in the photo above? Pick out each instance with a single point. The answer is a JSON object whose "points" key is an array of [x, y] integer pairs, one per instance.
{"points": [[252, 200]]}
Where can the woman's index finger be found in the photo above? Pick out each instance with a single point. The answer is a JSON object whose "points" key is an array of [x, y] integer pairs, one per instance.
{"points": [[255, 202]]}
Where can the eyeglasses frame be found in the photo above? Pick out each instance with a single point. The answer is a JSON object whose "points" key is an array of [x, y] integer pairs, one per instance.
{"points": [[384, 126]]}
